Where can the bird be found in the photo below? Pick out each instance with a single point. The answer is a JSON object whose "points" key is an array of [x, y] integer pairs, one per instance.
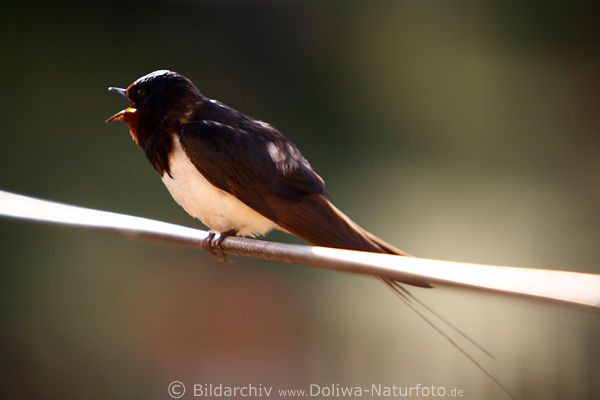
{"points": [[240, 176], [236, 174]]}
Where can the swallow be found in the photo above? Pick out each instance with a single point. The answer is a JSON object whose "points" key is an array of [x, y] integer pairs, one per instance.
{"points": [[241, 176], [236, 174]]}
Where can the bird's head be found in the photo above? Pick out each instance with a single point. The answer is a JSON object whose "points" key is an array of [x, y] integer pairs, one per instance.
{"points": [[160, 101]]}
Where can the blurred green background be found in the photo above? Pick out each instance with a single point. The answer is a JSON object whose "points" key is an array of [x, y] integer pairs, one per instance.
{"points": [[455, 130]]}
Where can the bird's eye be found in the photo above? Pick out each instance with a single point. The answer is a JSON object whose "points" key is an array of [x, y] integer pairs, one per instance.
{"points": [[141, 92]]}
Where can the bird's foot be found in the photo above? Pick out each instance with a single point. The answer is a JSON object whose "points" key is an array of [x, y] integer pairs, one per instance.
{"points": [[206, 243], [214, 244]]}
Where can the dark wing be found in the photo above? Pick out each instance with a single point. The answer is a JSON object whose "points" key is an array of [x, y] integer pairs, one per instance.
{"points": [[267, 172], [251, 166]]}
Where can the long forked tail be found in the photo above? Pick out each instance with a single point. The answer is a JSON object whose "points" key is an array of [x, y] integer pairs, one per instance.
{"points": [[316, 220], [324, 225], [409, 300]]}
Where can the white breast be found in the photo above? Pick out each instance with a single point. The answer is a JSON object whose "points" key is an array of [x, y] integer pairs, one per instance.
{"points": [[217, 209]]}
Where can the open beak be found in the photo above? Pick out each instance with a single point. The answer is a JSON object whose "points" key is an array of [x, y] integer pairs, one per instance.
{"points": [[121, 114], [122, 92]]}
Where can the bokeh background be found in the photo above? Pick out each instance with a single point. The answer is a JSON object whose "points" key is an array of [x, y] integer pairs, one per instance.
{"points": [[456, 130]]}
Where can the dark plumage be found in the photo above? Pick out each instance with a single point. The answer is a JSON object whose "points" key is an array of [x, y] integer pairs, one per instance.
{"points": [[241, 157], [240, 175]]}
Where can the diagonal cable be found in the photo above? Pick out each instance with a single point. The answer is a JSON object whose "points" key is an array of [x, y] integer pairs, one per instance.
{"points": [[575, 288]]}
